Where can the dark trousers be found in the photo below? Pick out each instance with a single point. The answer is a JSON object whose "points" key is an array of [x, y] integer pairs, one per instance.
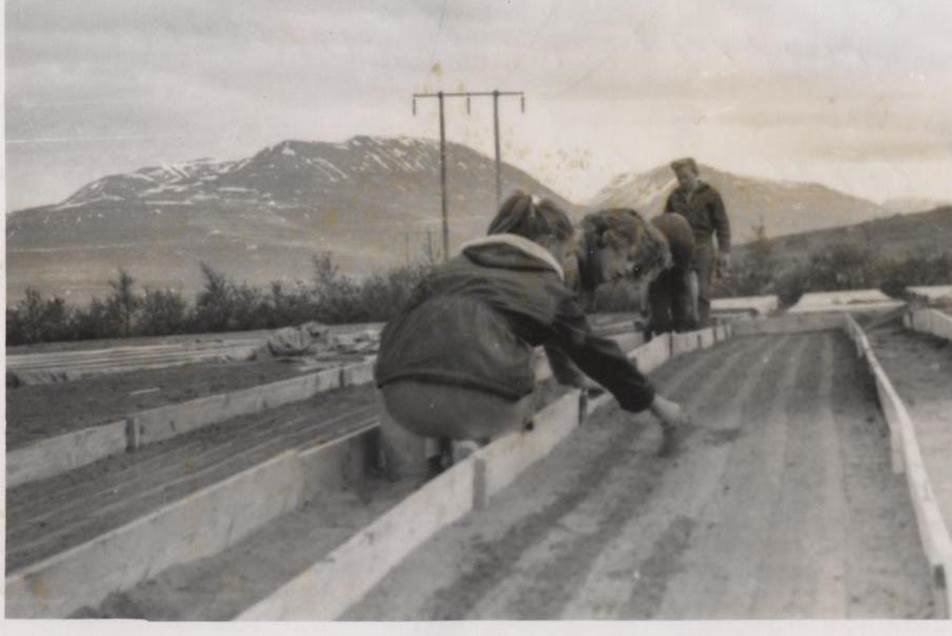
{"points": [[705, 255], [670, 302]]}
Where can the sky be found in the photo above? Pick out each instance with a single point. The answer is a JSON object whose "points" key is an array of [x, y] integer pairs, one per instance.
{"points": [[856, 94]]}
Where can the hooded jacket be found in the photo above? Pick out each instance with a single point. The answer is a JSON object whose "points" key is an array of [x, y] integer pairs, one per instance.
{"points": [[475, 321]]}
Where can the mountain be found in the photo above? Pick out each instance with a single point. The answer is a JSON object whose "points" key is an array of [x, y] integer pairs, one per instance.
{"points": [[369, 201], [783, 207], [904, 205], [915, 234]]}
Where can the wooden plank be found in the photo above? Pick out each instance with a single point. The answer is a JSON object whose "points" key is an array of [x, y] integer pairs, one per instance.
{"points": [[165, 422], [200, 525], [789, 323], [343, 463], [327, 588], [931, 321], [63, 453], [506, 458], [933, 530], [357, 374]]}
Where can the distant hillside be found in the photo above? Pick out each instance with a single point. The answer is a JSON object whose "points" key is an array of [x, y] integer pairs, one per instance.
{"points": [[906, 205], [783, 207], [369, 201], [919, 234]]}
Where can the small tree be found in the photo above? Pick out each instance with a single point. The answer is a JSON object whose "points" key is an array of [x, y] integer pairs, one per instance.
{"points": [[213, 306], [35, 319], [755, 273], [30, 314], [93, 322], [163, 312], [123, 301]]}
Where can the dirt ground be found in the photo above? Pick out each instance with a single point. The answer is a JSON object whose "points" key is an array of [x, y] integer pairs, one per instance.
{"points": [[782, 505], [51, 515], [220, 587]]}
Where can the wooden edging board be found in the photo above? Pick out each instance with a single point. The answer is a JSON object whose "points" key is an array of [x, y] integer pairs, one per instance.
{"points": [[200, 525], [788, 323], [317, 593], [907, 457], [62, 453], [930, 321]]}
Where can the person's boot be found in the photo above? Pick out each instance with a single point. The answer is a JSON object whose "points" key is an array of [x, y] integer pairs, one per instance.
{"points": [[463, 449], [434, 466]]}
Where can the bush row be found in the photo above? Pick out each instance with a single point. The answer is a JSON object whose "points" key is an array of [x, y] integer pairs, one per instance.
{"points": [[333, 298], [843, 266], [222, 305]]}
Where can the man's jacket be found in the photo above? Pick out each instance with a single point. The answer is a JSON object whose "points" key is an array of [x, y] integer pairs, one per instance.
{"points": [[475, 321], [704, 210]]}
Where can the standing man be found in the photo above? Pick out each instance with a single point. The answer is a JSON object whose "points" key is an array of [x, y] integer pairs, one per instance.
{"points": [[703, 208]]}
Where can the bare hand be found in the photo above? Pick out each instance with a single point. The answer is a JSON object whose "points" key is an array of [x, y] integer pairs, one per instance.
{"points": [[724, 263], [670, 413]]}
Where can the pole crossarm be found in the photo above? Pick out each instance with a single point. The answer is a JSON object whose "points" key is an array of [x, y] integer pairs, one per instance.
{"points": [[472, 94], [441, 96]]}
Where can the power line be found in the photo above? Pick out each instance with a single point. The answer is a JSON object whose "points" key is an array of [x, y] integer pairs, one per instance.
{"points": [[468, 95]]}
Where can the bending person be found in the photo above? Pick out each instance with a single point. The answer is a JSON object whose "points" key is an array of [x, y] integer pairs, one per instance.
{"points": [[613, 244], [672, 296], [456, 362]]}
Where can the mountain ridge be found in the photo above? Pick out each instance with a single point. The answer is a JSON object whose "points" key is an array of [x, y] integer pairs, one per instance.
{"points": [[373, 202], [784, 207]]}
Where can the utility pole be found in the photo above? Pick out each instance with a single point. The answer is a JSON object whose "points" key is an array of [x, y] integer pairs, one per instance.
{"points": [[441, 96]]}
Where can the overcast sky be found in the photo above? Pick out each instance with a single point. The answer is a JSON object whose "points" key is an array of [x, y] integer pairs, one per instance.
{"points": [[854, 93]]}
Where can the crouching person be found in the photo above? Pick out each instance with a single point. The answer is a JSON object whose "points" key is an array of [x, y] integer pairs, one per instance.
{"points": [[456, 363]]}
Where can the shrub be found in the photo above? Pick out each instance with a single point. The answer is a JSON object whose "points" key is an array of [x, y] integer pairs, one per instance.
{"points": [[35, 319], [290, 307], [123, 303], [163, 313], [93, 322]]}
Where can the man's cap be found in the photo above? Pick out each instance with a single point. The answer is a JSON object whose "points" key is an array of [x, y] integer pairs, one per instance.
{"points": [[685, 162]]}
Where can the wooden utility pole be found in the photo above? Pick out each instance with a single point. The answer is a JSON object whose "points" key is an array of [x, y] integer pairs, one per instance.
{"points": [[440, 97]]}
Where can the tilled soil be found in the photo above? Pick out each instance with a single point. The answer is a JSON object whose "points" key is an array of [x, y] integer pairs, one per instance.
{"points": [[36, 412], [220, 587], [48, 516], [782, 505], [40, 411]]}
